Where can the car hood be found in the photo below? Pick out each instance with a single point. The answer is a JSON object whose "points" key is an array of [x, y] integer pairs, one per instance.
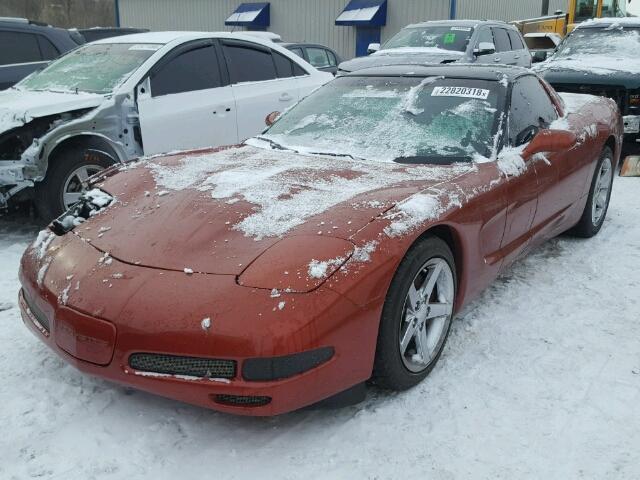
{"points": [[585, 70], [216, 211], [401, 57], [18, 107]]}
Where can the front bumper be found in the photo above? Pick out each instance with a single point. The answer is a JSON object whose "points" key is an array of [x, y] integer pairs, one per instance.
{"points": [[96, 326]]}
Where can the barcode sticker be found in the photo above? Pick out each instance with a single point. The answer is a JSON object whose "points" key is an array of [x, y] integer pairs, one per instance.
{"points": [[464, 92]]}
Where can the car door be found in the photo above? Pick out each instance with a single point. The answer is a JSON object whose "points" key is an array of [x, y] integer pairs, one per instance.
{"points": [[184, 103], [504, 54], [262, 81], [561, 175], [521, 54], [22, 54]]}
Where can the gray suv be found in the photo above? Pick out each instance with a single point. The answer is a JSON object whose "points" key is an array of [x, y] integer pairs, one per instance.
{"points": [[448, 41]]}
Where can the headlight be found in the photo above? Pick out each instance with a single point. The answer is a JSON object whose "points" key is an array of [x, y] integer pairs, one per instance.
{"points": [[297, 264]]}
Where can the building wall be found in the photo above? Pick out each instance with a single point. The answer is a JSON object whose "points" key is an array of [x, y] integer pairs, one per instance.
{"points": [[506, 10], [63, 13], [313, 20]]}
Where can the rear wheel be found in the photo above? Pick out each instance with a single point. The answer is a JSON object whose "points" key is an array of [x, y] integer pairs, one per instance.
{"points": [[416, 317], [597, 205], [66, 174]]}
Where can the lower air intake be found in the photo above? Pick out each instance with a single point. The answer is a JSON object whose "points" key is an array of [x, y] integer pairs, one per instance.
{"points": [[242, 401], [178, 365]]}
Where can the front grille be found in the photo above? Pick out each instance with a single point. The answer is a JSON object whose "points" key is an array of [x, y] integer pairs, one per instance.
{"points": [[242, 400], [616, 93], [36, 312], [178, 365]]}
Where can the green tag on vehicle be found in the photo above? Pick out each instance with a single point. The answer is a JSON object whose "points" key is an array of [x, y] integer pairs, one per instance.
{"points": [[449, 38]]}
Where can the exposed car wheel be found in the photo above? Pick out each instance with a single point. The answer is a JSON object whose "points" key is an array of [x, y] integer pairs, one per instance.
{"points": [[62, 186], [595, 210], [416, 316]]}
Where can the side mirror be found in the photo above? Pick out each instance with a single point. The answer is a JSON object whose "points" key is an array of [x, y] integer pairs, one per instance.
{"points": [[372, 48], [484, 48], [550, 141], [271, 118], [539, 56]]}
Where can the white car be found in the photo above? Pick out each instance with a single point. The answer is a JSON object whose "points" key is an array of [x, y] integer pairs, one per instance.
{"points": [[120, 98]]}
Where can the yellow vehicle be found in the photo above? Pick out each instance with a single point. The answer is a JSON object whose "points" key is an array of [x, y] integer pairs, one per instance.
{"points": [[577, 11]]}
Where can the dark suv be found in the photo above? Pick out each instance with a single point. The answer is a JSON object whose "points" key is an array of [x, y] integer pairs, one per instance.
{"points": [[600, 57], [28, 46]]}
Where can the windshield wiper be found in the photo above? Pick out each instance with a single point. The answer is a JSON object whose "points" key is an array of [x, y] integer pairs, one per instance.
{"points": [[332, 154], [273, 143]]}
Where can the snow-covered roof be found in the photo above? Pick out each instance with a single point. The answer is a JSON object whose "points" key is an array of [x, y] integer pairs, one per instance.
{"points": [[606, 21], [170, 36]]}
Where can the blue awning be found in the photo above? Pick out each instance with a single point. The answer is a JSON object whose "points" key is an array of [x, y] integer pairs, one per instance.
{"points": [[367, 13], [250, 15]]}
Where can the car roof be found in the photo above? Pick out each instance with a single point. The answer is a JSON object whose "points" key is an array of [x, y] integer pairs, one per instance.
{"points": [[632, 22], [171, 36], [459, 23], [458, 70]]}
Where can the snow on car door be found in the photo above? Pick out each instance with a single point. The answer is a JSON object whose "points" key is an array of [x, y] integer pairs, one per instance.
{"points": [[262, 81], [185, 104]]}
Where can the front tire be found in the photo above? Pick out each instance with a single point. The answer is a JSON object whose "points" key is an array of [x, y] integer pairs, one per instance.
{"points": [[62, 185], [597, 205], [416, 316]]}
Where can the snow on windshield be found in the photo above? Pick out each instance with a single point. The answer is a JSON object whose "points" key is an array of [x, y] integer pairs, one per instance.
{"points": [[288, 188], [598, 50], [443, 38], [430, 120], [94, 68]]}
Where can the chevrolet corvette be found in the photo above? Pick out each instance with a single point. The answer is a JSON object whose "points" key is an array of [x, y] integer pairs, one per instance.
{"points": [[330, 251]]}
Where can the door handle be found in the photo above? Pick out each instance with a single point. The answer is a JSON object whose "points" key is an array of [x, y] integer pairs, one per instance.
{"points": [[496, 59], [285, 97]]}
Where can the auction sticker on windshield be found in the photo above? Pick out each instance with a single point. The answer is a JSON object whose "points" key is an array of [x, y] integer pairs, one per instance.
{"points": [[464, 92]]}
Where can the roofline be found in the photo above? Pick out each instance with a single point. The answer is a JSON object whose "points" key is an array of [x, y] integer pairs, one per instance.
{"points": [[421, 71]]}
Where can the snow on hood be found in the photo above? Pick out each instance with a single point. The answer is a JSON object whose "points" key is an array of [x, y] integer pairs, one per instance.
{"points": [[402, 56], [589, 64], [216, 212], [286, 187], [18, 106]]}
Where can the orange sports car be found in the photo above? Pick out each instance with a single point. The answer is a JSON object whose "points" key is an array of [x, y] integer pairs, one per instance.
{"points": [[331, 250]]}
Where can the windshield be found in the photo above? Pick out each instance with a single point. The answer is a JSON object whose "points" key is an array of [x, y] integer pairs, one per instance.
{"points": [[409, 120], [94, 68], [610, 42], [441, 37]]}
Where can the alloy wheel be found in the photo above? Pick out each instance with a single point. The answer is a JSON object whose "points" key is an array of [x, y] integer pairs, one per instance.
{"points": [[427, 314]]}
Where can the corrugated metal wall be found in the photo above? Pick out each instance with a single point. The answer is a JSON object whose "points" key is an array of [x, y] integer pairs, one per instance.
{"points": [[506, 10], [313, 20]]}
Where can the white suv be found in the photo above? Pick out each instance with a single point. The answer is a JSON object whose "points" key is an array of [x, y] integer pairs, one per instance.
{"points": [[142, 94]]}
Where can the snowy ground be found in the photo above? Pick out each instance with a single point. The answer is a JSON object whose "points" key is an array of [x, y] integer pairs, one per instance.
{"points": [[540, 379]]}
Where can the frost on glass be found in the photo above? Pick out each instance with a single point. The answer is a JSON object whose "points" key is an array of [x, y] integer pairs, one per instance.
{"points": [[388, 120], [94, 68]]}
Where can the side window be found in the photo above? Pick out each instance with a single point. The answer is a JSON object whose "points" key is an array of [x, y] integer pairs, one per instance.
{"points": [[49, 51], [192, 70], [297, 51], [284, 66], [485, 36], [248, 64], [531, 110], [318, 57], [298, 71], [18, 48], [502, 40], [332, 58], [516, 42]]}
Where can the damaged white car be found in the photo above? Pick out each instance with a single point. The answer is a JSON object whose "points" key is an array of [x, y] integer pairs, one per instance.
{"points": [[120, 98]]}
